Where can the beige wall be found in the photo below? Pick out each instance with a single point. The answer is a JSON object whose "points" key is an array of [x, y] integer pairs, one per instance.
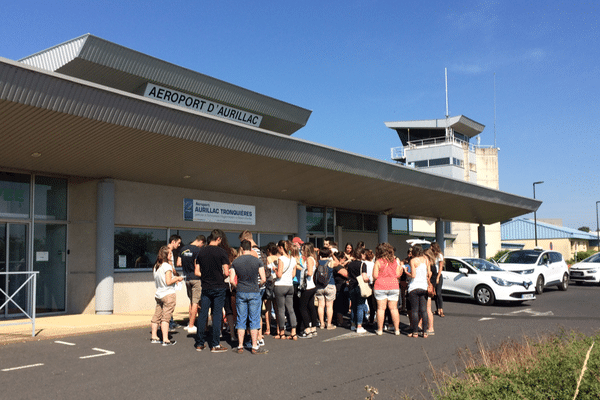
{"points": [[145, 205]]}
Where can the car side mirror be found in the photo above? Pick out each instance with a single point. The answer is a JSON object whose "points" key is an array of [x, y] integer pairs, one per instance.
{"points": [[463, 270]]}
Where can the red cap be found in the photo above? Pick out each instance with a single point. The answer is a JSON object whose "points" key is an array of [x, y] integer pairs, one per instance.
{"points": [[297, 240]]}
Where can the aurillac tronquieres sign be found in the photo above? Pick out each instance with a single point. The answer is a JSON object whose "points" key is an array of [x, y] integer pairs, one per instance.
{"points": [[224, 213]]}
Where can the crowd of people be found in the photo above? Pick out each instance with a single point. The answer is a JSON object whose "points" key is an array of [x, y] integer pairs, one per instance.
{"points": [[290, 289]]}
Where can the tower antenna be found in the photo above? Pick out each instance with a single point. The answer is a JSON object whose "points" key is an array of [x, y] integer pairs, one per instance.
{"points": [[446, 74], [495, 111]]}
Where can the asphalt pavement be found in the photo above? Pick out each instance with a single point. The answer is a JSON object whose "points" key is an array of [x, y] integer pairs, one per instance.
{"points": [[111, 356]]}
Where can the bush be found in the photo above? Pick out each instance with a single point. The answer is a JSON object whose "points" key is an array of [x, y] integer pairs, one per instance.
{"points": [[548, 368], [582, 255], [498, 255]]}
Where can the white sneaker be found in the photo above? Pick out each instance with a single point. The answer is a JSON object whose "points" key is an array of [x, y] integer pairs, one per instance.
{"points": [[361, 330], [191, 330], [353, 328]]}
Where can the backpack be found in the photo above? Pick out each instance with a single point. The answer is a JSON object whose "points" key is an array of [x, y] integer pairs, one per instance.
{"points": [[321, 277]]}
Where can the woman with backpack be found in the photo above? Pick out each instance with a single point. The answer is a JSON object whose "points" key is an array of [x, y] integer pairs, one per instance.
{"points": [[326, 291]]}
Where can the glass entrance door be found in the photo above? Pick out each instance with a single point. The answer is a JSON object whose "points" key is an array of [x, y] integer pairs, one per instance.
{"points": [[13, 258]]}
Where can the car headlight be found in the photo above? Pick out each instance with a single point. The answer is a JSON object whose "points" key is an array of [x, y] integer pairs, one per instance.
{"points": [[525, 272], [501, 282], [592, 271]]}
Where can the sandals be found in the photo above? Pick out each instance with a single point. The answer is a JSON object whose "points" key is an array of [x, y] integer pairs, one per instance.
{"points": [[280, 336], [413, 334], [292, 337]]}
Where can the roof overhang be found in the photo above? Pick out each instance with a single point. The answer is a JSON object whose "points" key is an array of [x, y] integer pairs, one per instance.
{"points": [[84, 129], [460, 123], [96, 60]]}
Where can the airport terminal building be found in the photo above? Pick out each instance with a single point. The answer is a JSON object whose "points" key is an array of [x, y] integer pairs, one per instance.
{"points": [[105, 152]]}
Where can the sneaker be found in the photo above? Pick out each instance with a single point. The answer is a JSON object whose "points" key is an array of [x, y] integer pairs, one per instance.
{"points": [[260, 342], [397, 333], [218, 349], [353, 328], [379, 333], [171, 343], [156, 341], [260, 350], [192, 331], [314, 333], [200, 348], [361, 330], [248, 345]]}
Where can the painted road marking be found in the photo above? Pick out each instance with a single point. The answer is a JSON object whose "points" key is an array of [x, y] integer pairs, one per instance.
{"points": [[23, 367], [65, 343], [528, 311], [486, 319], [351, 335], [104, 353]]}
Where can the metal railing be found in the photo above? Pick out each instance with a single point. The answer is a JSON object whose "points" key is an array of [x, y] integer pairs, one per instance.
{"points": [[31, 278]]}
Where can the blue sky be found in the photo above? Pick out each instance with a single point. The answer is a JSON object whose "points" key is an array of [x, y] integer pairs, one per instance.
{"points": [[357, 64]]}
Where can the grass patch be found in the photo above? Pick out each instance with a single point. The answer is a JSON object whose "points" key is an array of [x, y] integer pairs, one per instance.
{"points": [[561, 366]]}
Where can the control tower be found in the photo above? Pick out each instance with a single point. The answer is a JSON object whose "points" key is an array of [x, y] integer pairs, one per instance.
{"points": [[441, 146]]}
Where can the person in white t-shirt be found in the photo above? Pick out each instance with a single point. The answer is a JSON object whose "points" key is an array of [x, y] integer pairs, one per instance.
{"points": [[165, 296]]}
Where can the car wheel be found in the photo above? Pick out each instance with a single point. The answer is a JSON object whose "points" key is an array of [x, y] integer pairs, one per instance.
{"points": [[484, 295], [564, 285], [539, 285]]}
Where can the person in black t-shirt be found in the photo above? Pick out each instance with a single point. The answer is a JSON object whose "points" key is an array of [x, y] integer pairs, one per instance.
{"points": [[214, 267], [191, 271]]}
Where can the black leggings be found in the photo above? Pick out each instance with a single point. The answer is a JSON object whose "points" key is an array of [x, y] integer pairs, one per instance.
{"points": [[439, 301], [418, 309], [308, 311]]}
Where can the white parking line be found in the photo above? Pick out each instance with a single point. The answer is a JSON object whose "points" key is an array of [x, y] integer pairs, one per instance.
{"points": [[528, 311], [65, 343], [22, 367], [486, 319], [104, 353], [351, 335]]}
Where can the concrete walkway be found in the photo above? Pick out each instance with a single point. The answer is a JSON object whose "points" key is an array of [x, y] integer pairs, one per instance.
{"points": [[72, 325]]}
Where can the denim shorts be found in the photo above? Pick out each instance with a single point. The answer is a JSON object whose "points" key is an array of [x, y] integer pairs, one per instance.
{"points": [[391, 295], [248, 306]]}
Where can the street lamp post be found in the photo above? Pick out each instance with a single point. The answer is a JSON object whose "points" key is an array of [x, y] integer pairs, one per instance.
{"points": [[597, 227], [535, 213]]}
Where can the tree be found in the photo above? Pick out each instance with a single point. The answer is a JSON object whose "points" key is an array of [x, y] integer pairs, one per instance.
{"points": [[584, 229]]}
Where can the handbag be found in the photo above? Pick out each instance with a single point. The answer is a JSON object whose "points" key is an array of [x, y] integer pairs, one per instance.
{"points": [[365, 289]]}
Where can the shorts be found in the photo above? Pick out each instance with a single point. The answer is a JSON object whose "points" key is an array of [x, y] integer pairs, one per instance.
{"points": [[328, 292], [391, 295], [194, 290], [164, 308]]}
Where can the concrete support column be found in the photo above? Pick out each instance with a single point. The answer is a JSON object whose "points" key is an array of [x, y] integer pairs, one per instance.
{"points": [[439, 235], [481, 240], [302, 232], [105, 246], [382, 228]]}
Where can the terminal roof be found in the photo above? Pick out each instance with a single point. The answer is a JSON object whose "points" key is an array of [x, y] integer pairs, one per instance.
{"points": [[87, 129]]}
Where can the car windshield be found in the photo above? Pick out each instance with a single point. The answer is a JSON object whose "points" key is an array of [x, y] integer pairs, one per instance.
{"points": [[593, 259], [482, 265], [521, 257]]}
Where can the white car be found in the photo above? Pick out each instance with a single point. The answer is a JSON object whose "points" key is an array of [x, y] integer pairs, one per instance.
{"points": [[544, 267], [587, 270], [484, 282]]}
